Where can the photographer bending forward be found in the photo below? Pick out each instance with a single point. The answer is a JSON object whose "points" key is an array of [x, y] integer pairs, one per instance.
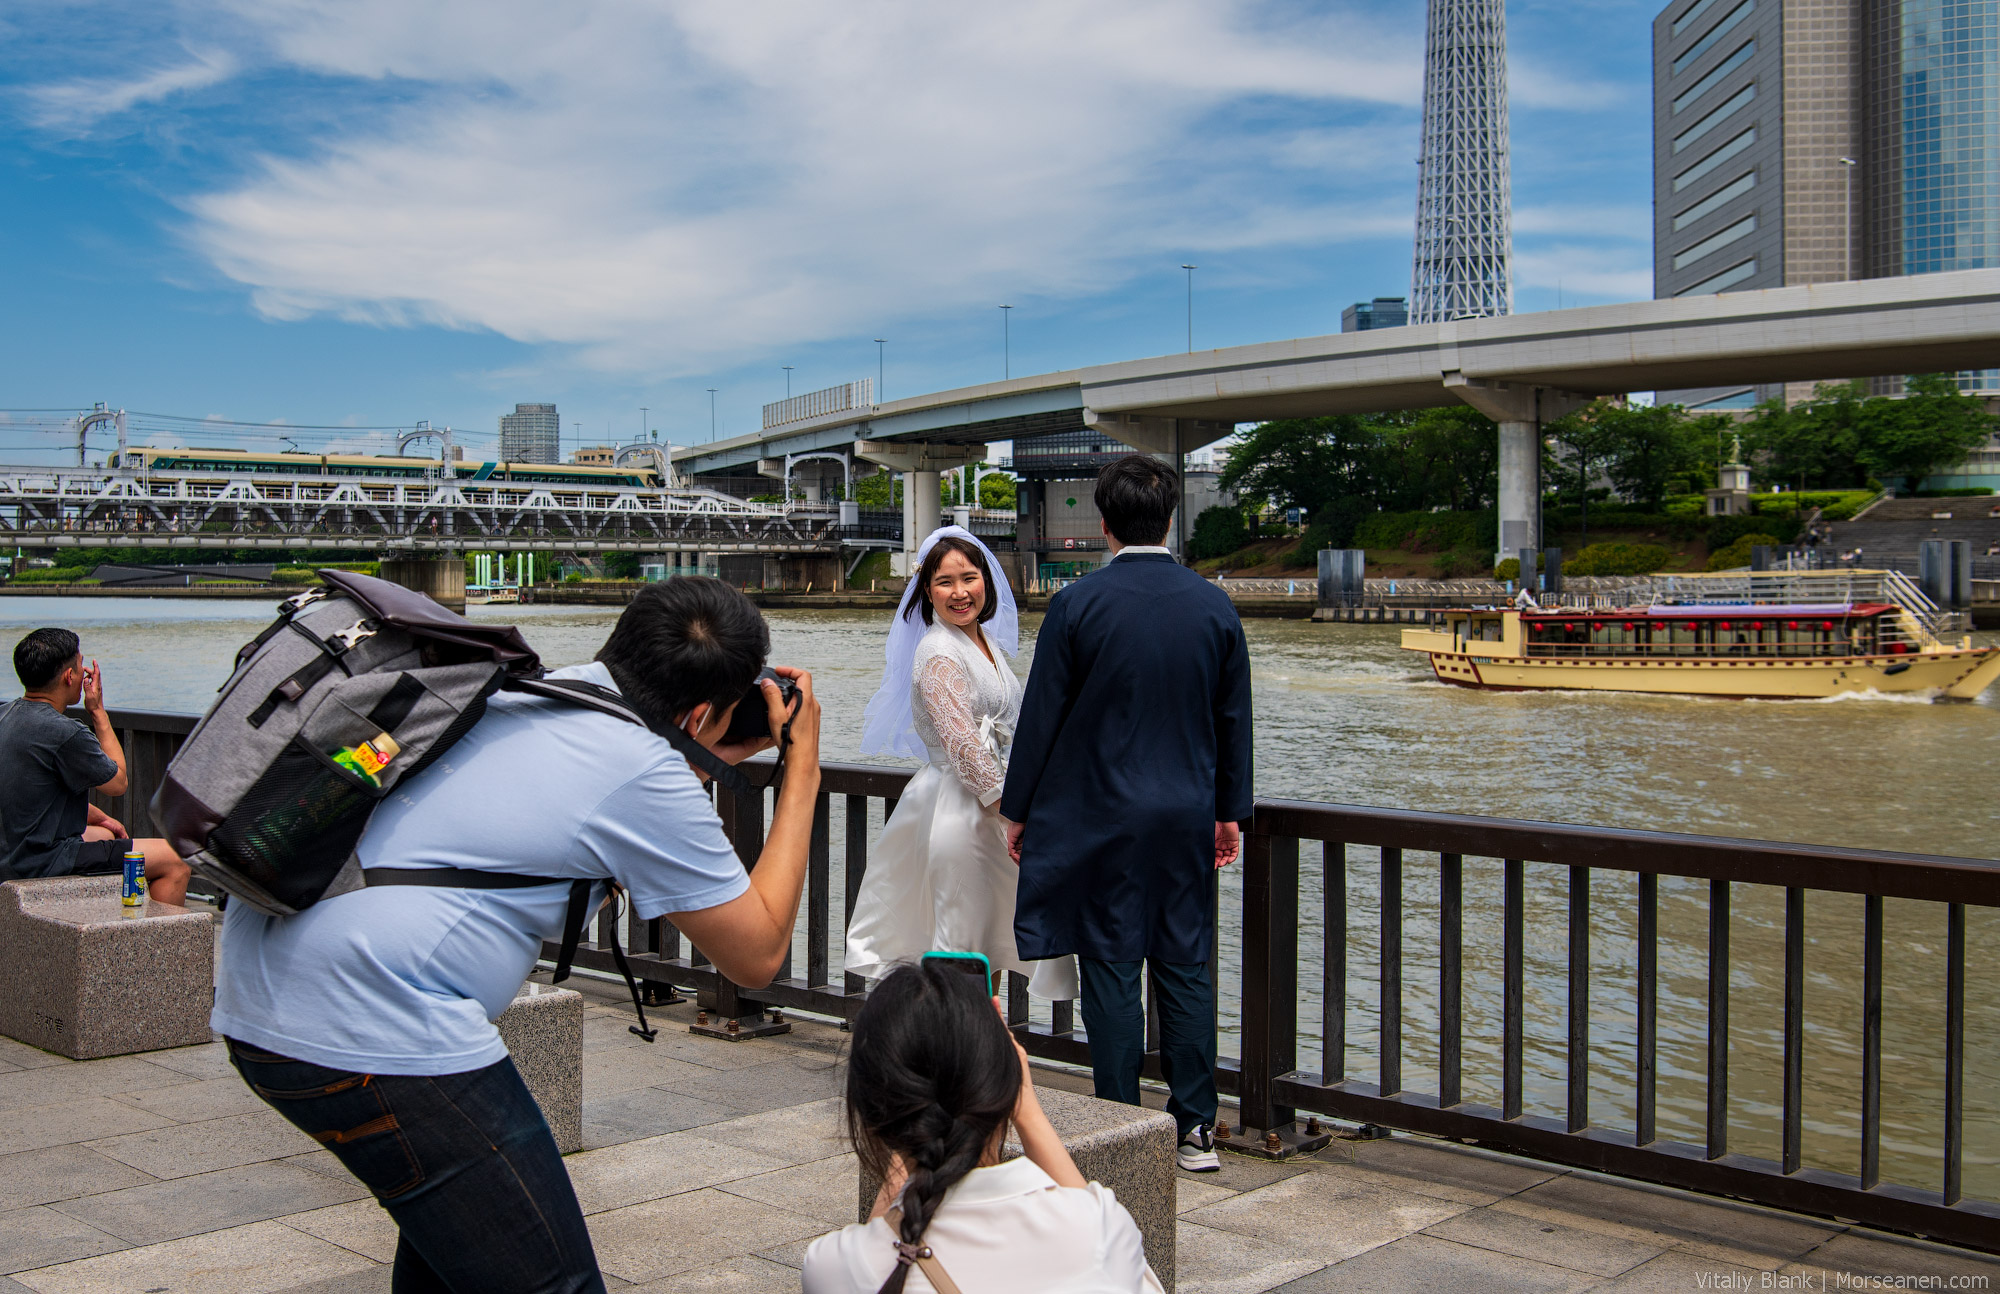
{"points": [[367, 1019]]}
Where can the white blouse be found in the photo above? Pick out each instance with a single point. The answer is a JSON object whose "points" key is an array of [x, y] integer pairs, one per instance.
{"points": [[1002, 1230]]}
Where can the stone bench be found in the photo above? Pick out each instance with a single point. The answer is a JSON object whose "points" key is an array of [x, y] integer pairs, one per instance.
{"points": [[86, 976], [543, 1031], [1126, 1147]]}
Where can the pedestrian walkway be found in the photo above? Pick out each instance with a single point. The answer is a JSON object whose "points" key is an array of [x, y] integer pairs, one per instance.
{"points": [[709, 1165]]}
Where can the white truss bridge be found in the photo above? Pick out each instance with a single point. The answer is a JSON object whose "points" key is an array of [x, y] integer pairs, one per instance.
{"points": [[83, 507]]}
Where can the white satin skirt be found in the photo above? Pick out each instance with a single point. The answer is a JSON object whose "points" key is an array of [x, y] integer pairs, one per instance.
{"points": [[940, 880]]}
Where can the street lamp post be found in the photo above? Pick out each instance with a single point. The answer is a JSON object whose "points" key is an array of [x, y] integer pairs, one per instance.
{"points": [[1190, 303], [644, 425], [880, 342], [1006, 343], [1847, 165], [788, 380], [711, 414]]}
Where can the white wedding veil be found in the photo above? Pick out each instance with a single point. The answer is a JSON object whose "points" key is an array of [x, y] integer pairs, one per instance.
{"points": [[886, 726]]}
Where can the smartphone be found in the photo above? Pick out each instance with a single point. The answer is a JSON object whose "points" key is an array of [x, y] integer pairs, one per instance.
{"points": [[969, 963]]}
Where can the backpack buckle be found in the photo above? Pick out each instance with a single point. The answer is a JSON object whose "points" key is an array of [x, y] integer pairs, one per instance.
{"points": [[347, 639], [299, 601]]}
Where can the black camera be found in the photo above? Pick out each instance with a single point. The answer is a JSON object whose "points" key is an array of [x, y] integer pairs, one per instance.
{"points": [[752, 720]]}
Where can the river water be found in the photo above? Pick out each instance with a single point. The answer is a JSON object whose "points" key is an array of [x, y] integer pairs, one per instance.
{"points": [[1343, 715]]}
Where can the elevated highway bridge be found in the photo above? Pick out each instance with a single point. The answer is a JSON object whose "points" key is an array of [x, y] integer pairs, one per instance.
{"points": [[1521, 371]]}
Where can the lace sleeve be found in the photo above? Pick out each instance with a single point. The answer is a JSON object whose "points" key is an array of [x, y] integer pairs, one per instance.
{"points": [[947, 694]]}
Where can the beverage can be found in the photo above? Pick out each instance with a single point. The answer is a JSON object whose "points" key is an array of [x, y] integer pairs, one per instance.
{"points": [[133, 892]]}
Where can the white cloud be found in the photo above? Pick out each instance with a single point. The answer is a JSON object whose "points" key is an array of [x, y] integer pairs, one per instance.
{"points": [[81, 103], [1608, 273], [664, 185]]}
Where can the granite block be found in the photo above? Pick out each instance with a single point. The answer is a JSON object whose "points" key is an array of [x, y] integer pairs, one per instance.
{"points": [[89, 977], [61, 1173], [260, 1258], [191, 1205], [35, 1237], [1125, 1147], [543, 1030]]}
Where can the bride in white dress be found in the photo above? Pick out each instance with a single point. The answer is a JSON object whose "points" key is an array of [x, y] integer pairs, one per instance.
{"points": [[940, 878]]}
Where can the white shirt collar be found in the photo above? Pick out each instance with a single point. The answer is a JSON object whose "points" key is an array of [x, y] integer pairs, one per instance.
{"points": [[1133, 550], [1000, 1182]]}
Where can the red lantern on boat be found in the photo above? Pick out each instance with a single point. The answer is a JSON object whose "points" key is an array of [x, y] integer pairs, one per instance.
{"points": [[1757, 625], [1723, 626], [1826, 626], [1792, 625]]}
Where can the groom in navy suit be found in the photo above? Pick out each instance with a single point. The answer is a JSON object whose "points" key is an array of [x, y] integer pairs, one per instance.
{"points": [[1129, 775]]}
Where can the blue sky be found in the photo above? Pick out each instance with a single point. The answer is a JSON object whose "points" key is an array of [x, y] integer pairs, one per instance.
{"points": [[361, 214]]}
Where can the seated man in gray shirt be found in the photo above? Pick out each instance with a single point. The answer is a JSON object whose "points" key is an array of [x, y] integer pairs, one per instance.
{"points": [[50, 762]]}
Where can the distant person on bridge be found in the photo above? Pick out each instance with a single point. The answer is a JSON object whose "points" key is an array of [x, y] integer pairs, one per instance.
{"points": [[1130, 774], [48, 826]]}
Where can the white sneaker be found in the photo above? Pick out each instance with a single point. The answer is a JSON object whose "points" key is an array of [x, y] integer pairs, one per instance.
{"points": [[1196, 1153]]}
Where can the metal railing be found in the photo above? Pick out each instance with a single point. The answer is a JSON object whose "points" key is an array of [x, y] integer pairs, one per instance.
{"points": [[1269, 962], [832, 399]]}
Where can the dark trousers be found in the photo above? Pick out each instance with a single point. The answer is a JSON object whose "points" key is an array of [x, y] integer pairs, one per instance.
{"points": [[1116, 1023], [465, 1163]]}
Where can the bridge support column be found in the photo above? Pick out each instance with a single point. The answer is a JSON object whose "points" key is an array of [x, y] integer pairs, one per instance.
{"points": [[920, 464], [441, 579], [1521, 412], [1520, 486]]}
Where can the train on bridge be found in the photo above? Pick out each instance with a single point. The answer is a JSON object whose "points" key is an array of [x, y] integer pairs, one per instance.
{"points": [[235, 462]]}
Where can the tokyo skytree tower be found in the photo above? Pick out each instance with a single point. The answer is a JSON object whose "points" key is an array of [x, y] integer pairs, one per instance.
{"points": [[1465, 232]]}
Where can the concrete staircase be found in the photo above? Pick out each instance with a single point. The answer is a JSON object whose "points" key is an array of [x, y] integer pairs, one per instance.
{"points": [[1890, 532]]}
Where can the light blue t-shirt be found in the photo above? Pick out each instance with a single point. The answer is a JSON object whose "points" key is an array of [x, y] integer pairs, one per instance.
{"points": [[408, 979]]}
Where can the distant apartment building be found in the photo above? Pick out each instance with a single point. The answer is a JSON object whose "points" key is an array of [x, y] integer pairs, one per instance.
{"points": [[531, 434], [1382, 312], [1811, 141]]}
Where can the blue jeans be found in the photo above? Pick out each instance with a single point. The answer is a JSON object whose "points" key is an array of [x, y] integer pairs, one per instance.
{"points": [[465, 1163], [1116, 1025]]}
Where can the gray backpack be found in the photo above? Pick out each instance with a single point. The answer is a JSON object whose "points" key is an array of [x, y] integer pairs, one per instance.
{"points": [[355, 687]]}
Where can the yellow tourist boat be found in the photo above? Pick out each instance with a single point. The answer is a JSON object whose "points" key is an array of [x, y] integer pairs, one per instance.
{"points": [[1782, 634]]}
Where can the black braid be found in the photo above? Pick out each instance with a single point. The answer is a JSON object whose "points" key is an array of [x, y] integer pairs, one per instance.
{"points": [[931, 1080]]}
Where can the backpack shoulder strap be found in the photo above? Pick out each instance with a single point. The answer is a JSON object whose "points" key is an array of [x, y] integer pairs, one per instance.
{"points": [[919, 1255], [605, 701]]}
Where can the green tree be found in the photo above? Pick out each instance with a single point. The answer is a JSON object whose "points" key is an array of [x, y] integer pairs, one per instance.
{"points": [[1813, 444], [881, 490], [998, 493], [1933, 427], [1448, 457], [1643, 450], [1218, 532], [1304, 462]]}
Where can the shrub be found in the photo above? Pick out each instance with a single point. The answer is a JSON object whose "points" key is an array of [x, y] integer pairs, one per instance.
{"points": [[53, 575], [1724, 531], [1218, 531], [1738, 553], [1247, 558], [1463, 563], [1509, 569], [1963, 492], [1423, 532], [1617, 559]]}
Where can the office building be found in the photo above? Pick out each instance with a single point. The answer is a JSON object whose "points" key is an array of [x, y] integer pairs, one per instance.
{"points": [[531, 434], [1811, 141], [594, 455], [1382, 312]]}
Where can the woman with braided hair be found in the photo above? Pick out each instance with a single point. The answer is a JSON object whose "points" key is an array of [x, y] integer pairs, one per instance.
{"points": [[933, 1082]]}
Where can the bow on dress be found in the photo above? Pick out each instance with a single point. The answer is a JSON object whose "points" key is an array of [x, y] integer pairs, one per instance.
{"points": [[994, 735]]}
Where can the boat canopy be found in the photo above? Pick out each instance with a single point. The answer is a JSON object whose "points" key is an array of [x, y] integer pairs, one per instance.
{"points": [[1756, 609]]}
